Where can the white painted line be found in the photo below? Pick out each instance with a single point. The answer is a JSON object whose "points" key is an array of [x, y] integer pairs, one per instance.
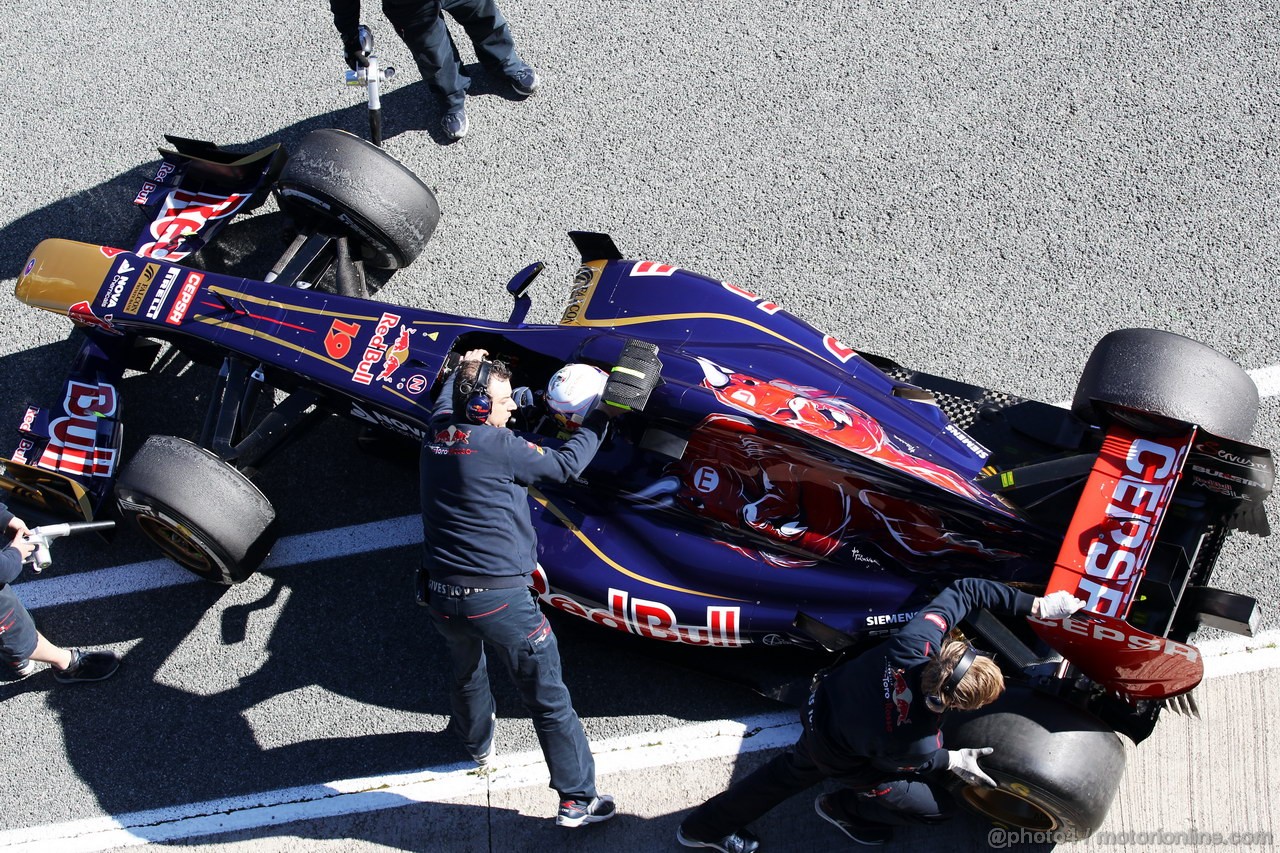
{"points": [[158, 574], [432, 785], [1267, 379], [1235, 655], [719, 739]]}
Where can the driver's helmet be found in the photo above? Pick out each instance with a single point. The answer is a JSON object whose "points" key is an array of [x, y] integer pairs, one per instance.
{"points": [[573, 392]]}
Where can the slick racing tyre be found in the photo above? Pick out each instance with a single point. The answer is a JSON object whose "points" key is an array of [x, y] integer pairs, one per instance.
{"points": [[1057, 767], [1166, 374], [348, 186], [200, 511]]}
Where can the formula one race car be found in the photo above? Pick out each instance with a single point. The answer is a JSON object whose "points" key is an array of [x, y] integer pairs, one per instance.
{"points": [[771, 485]]}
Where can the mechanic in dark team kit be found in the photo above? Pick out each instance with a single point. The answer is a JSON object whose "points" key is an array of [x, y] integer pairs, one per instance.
{"points": [[421, 27], [874, 725], [21, 645], [479, 554]]}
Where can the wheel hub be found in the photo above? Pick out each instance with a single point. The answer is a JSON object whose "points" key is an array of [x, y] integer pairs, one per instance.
{"points": [[1008, 807]]}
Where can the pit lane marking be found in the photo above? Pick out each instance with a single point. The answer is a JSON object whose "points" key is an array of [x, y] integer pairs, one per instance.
{"points": [[626, 754]]}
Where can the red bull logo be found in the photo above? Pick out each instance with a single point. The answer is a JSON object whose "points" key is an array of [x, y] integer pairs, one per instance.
{"points": [[377, 347], [901, 698], [650, 619], [73, 440], [897, 698], [397, 354], [451, 436], [82, 314]]}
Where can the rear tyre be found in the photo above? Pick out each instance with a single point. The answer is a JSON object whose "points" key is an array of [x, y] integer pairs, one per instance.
{"points": [[1057, 767], [201, 512], [346, 185], [1166, 374]]}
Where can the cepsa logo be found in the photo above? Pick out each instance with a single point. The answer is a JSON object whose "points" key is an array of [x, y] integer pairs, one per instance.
{"points": [[650, 619], [185, 296], [1134, 494], [73, 446], [1084, 627]]}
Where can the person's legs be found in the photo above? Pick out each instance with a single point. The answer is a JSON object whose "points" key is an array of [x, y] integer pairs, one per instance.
{"points": [[470, 699], [731, 810], [21, 643], [489, 33], [531, 654], [47, 652], [899, 802], [421, 27]]}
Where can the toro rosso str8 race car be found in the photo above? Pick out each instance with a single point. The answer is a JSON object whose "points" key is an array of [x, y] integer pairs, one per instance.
{"points": [[769, 484]]}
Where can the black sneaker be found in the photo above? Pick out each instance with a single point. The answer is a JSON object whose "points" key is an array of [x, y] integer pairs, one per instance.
{"points": [[741, 841], [577, 812], [859, 830], [455, 124], [24, 669], [525, 82], [88, 666], [483, 758]]}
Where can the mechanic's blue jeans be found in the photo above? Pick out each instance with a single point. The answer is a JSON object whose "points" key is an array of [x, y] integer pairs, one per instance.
{"points": [[489, 33], [421, 26], [521, 637]]}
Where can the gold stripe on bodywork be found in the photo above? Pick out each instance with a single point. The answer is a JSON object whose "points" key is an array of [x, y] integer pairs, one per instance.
{"points": [[289, 345], [658, 318], [582, 537]]}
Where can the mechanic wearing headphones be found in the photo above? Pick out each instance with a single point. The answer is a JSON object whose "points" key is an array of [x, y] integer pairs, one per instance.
{"points": [[479, 552], [874, 725]]}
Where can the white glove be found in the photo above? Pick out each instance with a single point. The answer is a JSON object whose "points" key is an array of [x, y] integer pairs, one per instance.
{"points": [[964, 763], [1057, 605]]}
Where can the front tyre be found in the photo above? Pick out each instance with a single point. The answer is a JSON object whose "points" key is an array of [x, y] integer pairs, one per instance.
{"points": [[347, 186], [200, 511], [1057, 767]]}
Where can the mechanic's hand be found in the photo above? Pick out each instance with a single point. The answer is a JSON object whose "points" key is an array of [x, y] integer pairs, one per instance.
{"points": [[1056, 605], [476, 355], [964, 763], [25, 547], [352, 52], [524, 397], [18, 528]]}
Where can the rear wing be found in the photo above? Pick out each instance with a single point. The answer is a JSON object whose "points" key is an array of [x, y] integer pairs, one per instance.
{"points": [[1108, 548]]}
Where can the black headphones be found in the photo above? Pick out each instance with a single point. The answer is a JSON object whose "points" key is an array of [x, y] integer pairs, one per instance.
{"points": [[939, 702], [475, 395]]}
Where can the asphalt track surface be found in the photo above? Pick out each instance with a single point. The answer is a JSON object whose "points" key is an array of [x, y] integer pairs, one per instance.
{"points": [[977, 190]]}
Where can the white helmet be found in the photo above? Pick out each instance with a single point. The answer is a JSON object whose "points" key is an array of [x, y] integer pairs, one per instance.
{"points": [[573, 392]]}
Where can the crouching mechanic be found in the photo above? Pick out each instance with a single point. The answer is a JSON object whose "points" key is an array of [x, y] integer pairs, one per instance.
{"points": [[22, 647], [479, 554], [874, 725]]}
